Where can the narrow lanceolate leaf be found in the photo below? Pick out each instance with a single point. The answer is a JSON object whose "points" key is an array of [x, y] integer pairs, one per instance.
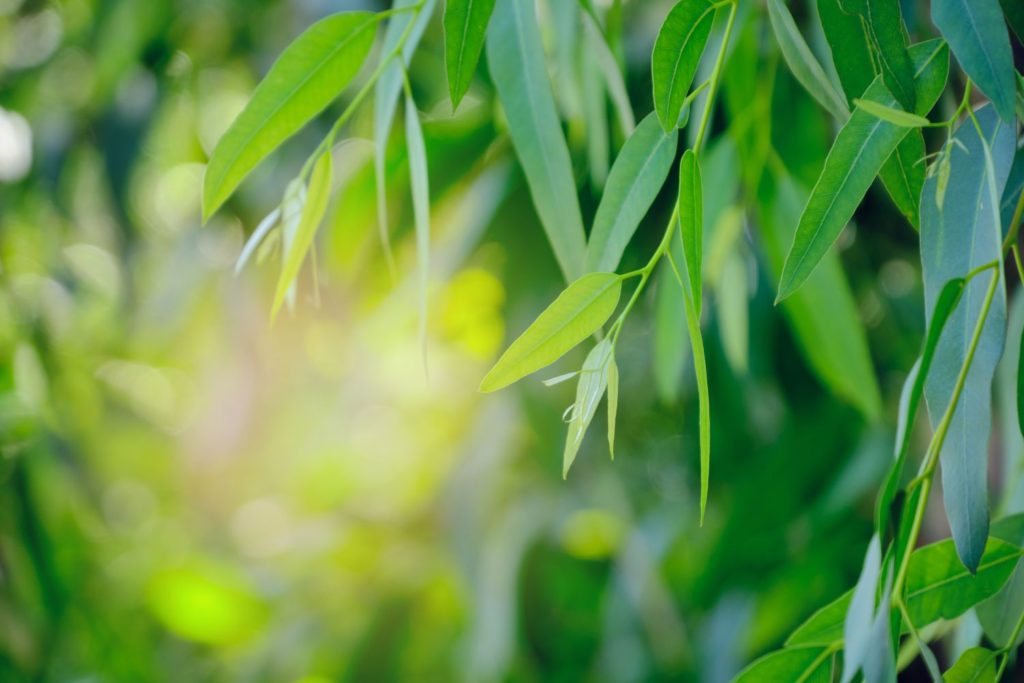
{"points": [[690, 207], [613, 403], [465, 25], [576, 314], [595, 111], [824, 627], [589, 390], [860, 615], [420, 207], [386, 92], [802, 63], [977, 665], [690, 308], [612, 74], [850, 47], [807, 664], [938, 586], [891, 114], [258, 235], [879, 664], [308, 75], [677, 53], [962, 235], [884, 23], [634, 181], [1000, 614], [313, 211], [516, 60], [913, 390], [860, 149], [823, 316], [977, 35], [903, 176]]}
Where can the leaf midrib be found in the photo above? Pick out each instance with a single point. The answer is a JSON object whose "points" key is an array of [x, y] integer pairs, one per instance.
{"points": [[679, 55], [1012, 557]]}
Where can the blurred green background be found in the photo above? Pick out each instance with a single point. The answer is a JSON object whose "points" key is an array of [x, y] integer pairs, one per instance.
{"points": [[189, 493]]}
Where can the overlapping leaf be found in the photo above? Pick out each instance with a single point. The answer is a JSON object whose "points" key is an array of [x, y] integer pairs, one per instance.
{"points": [[676, 55], [465, 25]]}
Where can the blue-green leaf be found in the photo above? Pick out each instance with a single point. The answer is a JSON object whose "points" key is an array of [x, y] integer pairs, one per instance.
{"points": [[977, 35], [465, 25], [419, 181], [860, 615], [636, 178], [308, 76], [591, 387], [613, 403], [676, 55], [516, 60], [964, 234]]}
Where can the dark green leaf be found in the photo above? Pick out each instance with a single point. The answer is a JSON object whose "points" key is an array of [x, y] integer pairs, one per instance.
{"points": [[636, 177], [856, 157], [884, 23], [677, 53], [977, 35], [850, 47], [516, 60], [903, 175], [576, 314], [465, 25], [965, 234], [308, 75], [824, 627], [1014, 11]]}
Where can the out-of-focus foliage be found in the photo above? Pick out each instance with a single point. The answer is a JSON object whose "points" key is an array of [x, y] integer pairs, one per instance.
{"points": [[191, 493]]}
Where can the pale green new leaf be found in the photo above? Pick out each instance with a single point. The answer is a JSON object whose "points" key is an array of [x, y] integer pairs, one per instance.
{"points": [[976, 665], [807, 664], [308, 76], [589, 390], [516, 60], [257, 237], [802, 62], [635, 179], [419, 181], [893, 115], [858, 153], [313, 211], [977, 35], [677, 53], [613, 403], [577, 313], [465, 25], [690, 207]]}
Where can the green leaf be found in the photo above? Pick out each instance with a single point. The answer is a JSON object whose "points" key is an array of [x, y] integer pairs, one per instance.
{"points": [[733, 312], [636, 178], [884, 24], [903, 175], [258, 235], [613, 403], [516, 60], [965, 234], [419, 181], [891, 114], [386, 93], [802, 62], [307, 77], [824, 627], [589, 390], [677, 53], [850, 47], [690, 207], [977, 665], [670, 350], [313, 211], [823, 315], [999, 614], [913, 390], [879, 656], [860, 616], [938, 586], [703, 398], [860, 150], [612, 74], [977, 35], [577, 313], [791, 665], [465, 25]]}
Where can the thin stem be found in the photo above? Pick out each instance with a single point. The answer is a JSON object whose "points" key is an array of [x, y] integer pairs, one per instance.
{"points": [[716, 75]]}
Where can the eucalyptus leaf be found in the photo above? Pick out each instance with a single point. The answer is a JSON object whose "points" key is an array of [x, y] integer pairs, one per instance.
{"points": [[976, 665], [577, 313], [313, 210], [589, 390], [857, 627], [418, 178], [903, 176], [892, 114], [465, 25], [613, 403], [308, 76], [676, 55], [1000, 614], [516, 60], [802, 62], [883, 21], [690, 207], [963, 235], [268, 223], [850, 47], [857, 155], [635, 179], [807, 664], [977, 35], [612, 74]]}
